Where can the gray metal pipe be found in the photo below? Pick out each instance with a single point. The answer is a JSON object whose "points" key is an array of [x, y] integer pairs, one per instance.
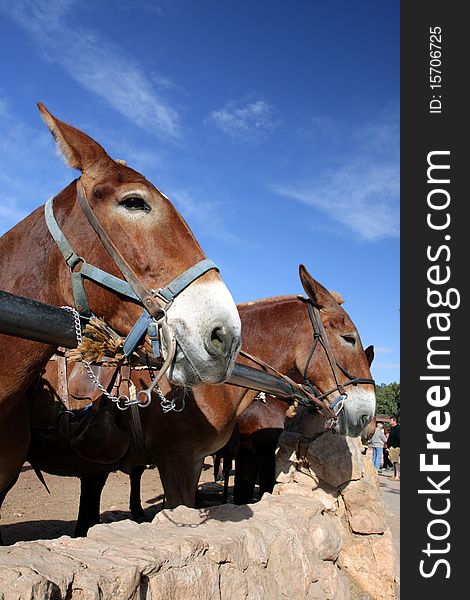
{"points": [[254, 379], [245, 376], [33, 320]]}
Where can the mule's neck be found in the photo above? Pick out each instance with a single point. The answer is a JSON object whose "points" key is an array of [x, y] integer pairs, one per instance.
{"points": [[30, 263], [31, 266], [272, 328]]}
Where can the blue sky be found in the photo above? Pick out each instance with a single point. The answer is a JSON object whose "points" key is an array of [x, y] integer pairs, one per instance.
{"points": [[273, 126]]}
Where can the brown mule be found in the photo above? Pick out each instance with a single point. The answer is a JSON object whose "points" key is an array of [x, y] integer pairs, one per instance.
{"points": [[277, 330], [253, 445], [152, 239]]}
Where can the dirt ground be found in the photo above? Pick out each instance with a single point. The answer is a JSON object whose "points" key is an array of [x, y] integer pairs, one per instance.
{"points": [[30, 513]]}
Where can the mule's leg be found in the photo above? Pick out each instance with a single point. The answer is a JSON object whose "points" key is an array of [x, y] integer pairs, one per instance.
{"points": [[266, 459], [246, 473], [180, 476], [14, 442], [2, 498], [226, 476], [135, 503], [91, 487], [217, 460]]}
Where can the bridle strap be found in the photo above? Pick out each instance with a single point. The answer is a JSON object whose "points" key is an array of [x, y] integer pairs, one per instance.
{"points": [[320, 336], [84, 270], [354, 380], [152, 303], [330, 410], [70, 257], [169, 293]]}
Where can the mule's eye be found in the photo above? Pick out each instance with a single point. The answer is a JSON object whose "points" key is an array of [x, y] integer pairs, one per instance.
{"points": [[135, 203], [350, 338]]}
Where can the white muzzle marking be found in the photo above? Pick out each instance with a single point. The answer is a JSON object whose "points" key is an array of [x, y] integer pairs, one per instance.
{"points": [[358, 411], [207, 328]]}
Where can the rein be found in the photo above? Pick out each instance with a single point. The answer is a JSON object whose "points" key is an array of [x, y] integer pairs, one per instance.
{"points": [[321, 405], [156, 303]]}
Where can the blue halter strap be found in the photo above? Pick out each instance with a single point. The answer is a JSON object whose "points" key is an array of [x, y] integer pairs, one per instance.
{"points": [[81, 270]]}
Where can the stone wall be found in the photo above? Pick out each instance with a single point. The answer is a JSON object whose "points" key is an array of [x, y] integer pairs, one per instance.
{"points": [[332, 470], [320, 536], [281, 547]]}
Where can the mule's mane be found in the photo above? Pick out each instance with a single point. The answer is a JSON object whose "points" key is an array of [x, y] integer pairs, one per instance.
{"points": [[336, 295], [269, 300]]}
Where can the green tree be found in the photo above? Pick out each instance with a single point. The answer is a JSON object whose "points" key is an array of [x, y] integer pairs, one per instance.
{"points": [[388, 399]]}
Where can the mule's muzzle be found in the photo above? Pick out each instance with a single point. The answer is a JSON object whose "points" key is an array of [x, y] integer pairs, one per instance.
{"points": [[211, 362], [352, 425]]}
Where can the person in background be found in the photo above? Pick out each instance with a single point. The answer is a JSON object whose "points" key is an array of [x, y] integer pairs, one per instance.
{"points": [[377, 442], [393, 445], [387, 463]]}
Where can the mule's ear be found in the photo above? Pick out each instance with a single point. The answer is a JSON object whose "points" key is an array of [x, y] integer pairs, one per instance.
{"points": [[319, 295], [369, 354], [79, 150]]}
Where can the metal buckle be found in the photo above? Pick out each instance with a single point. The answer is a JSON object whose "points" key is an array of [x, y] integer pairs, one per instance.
{"points": [[147, 394], [154, 336]]}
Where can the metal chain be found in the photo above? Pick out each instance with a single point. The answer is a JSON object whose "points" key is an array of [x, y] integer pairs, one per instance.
{"points": [[86, 364], [122, 401], [169, 405], [166, 405]]}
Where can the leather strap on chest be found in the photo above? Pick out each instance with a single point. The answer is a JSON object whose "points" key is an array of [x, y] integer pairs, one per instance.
{"points": [[138, 438]]}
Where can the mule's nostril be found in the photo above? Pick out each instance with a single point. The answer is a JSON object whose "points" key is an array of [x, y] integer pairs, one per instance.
{"points": [[365, 420], [219, 341], [218, 338]]}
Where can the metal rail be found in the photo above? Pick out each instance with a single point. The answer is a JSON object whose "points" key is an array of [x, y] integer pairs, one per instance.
{"points": [[254, 379], [33, 320]]}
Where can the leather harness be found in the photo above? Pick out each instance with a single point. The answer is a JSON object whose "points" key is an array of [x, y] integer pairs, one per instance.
{"points": [[155, 302], [320, 337], [78, 400]]}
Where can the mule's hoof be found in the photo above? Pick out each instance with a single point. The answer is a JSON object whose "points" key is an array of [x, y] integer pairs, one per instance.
{"points": [[139, 517]]}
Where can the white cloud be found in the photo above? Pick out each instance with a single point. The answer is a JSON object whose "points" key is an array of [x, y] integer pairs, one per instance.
{"points": [[361, 196], [161, 8], [96, 63], [382, 350], [249, 123], [363, 192], [379, 137]]}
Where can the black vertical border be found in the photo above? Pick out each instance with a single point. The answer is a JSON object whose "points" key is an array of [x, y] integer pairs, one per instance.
{"points": [[422, 132]]}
